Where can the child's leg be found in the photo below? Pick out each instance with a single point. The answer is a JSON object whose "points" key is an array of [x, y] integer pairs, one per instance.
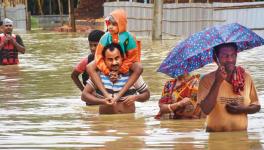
{"points": [[91, 69], [137, 70]]}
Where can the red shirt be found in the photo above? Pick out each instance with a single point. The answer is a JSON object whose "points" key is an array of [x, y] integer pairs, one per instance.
{"points": [[81, 66]]}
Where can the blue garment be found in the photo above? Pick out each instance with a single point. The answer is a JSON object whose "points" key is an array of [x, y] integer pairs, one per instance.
{"points": [[113, 88]]}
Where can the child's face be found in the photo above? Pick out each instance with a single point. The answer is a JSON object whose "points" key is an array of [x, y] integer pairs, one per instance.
{"points": [[112, 27], [93, 46]]}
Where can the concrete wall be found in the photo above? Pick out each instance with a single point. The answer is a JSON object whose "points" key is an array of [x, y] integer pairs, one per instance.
{"points": [[185, 19], [139, 16], [17, 14], [51, 21], [188, 18], [249, 14]]}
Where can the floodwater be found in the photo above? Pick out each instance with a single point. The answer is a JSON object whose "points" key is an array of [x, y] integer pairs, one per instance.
{"points": [[40, 107]]}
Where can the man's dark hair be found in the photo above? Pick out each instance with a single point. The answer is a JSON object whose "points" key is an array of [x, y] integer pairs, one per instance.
{"points": [[95, 35], [111, 48], [218, 47], [1, 22]]}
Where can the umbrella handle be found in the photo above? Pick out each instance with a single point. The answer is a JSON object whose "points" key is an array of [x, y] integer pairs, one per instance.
{"points": [[217, 60]]}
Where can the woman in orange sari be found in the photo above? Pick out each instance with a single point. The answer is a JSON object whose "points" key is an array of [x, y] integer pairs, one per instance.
{"points": [[179, 98]]}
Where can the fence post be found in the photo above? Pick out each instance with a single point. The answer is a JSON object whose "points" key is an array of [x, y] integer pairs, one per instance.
{"points": [[157, 20], [28, 21], [71, 15]]}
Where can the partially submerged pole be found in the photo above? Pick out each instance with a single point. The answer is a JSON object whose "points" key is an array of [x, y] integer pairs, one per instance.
{"points": [[157, 20], [61, 12], [28, 17]]}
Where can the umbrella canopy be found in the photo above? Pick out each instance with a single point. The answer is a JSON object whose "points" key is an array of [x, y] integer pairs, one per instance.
{"points": [[197, 50]]}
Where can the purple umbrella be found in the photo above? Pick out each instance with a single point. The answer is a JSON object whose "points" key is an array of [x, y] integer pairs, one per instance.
{"points": [[197, 50]]}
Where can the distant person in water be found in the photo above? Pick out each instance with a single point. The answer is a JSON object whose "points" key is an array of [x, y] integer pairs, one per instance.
{"points": [[228, 94], [113, 57], [10, 44], [93, 40]]}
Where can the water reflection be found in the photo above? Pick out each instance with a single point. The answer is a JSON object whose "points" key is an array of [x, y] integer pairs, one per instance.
{"points": [[40, 106], [112, 127], [234, 140], [10, 82]]}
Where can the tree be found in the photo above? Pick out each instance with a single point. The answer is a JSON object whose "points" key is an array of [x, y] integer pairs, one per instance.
{"points": [[71, 15], [40, 2], [61, 11]]}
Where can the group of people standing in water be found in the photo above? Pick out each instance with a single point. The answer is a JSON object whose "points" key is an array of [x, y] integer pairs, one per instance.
{"points": [[112, 79], [115, 81], [224, 97]]}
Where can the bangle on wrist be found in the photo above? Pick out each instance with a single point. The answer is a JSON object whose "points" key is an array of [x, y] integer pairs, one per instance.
{"points": [[177, 105]]}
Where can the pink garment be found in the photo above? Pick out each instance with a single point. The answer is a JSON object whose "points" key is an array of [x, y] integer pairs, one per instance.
{"points": [[81, 66]]}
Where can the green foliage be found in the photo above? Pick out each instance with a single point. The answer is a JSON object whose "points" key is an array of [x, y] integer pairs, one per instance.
{"points": [[49, 7], [34, 22]]}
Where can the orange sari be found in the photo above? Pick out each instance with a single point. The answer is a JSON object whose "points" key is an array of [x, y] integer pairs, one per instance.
{"points": [[173, 93]]}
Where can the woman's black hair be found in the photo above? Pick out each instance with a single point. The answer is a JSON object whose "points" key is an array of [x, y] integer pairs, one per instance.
{"points": [[111, 48], [95, 35], [218, 47]]}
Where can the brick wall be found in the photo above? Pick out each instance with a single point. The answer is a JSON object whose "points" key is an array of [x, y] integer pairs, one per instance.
{"points": [[89, 9]]}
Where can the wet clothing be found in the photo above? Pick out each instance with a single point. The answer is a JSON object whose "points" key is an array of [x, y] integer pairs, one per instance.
{"points": [[130, 47], [173, 93], [113, 88], [9, 53], [219, 119], [81, 67]]}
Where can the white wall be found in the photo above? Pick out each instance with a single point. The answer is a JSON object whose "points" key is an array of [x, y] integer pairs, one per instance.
{"points": [[249, 17], [17, 14], [185, 19], [139, 16]]}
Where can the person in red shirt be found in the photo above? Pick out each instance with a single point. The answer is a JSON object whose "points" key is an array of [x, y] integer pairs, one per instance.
{"points": [[10, 44], [93, 39]]}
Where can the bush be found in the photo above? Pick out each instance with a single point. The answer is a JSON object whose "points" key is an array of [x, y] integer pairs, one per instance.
{"points": [[34, 22]]}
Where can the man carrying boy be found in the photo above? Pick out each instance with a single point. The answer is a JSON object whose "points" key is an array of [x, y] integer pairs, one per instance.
{"points": [[116, 25], [113, 58], [93, 39]]}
